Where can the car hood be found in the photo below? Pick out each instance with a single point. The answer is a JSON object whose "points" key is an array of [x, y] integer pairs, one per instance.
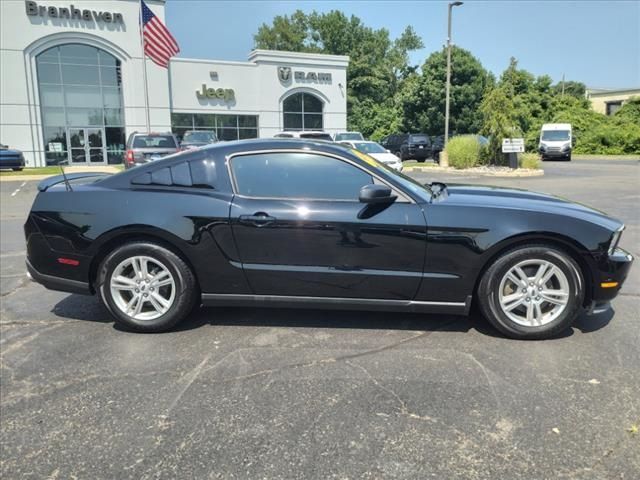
{"points": [[513, 198], [385, 157]]}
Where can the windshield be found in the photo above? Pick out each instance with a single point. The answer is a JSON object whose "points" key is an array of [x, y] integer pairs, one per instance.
{"points": [[348, 136], [422, 191], [154, 141], [369, 147], [199, 137], [555, 135]]}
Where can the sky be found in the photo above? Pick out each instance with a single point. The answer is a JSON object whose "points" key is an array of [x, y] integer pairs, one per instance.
{"points": [[596, 42]]}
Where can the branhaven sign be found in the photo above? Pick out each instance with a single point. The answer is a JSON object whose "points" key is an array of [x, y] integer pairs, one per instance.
{"points": [[513, 145], [72, 13]]}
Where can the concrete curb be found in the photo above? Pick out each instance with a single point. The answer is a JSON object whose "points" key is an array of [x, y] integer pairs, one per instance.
{"points": [[520, 172]]}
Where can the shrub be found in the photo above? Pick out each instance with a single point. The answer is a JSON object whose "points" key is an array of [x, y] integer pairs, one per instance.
{"points": [[529, 160], [463, 151]]}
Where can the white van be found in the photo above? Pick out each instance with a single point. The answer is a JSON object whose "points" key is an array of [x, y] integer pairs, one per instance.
{"points": [[555, 141]]}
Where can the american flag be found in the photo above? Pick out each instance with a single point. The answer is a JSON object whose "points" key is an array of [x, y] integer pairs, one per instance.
{"points": [[159, 44]]}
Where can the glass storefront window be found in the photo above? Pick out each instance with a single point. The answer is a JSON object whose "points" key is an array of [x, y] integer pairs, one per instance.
{"points": [[81, 100], [302, 111], [227, 127]]}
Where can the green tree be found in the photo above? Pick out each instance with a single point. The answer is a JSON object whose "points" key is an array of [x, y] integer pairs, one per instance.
{"points": [[377, 68], [574, 89], [422, 98], [499, 121]]}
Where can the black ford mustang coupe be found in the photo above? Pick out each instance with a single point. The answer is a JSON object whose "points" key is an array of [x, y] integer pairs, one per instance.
{"points": [[284, 222]]}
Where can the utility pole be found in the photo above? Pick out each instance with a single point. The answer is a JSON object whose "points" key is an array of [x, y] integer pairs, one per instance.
{"points": [[563, 84], [448, 85]]}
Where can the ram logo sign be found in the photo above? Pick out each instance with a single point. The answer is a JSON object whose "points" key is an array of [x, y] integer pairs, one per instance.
{"points": [[284, 75]]}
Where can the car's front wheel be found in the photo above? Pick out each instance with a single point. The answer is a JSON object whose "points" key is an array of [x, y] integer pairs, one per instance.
{"points": [[147, 287], [532, 292]]}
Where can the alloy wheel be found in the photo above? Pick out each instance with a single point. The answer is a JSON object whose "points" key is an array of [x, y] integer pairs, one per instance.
{"points": [[534, 292], [143, 288]]}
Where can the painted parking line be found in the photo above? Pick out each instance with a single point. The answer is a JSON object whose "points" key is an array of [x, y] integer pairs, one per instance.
{"points": [[18, 189]]}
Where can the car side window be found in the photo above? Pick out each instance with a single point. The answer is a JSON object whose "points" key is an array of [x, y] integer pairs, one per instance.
{"points": [[297, 175]]}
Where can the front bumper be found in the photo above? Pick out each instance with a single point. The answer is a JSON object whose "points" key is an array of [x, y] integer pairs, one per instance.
{"points": [[555, 153], [613, 271]]}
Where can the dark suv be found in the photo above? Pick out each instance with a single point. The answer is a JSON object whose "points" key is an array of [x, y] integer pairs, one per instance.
{"points": [[394, 142], [416, 147], [408, 146]]}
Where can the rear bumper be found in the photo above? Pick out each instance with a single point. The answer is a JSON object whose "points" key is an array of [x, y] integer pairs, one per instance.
{"points": [[57, 283], [415, 152]]}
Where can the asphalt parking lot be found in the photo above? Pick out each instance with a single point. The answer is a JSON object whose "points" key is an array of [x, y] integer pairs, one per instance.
{"points": [[254, 393]]}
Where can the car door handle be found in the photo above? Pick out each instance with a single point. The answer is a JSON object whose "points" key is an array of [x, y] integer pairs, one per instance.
{"points": [[258, 219]]}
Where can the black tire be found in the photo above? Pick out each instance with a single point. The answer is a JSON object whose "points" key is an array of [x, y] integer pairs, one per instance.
{"points": [[488, 292], [436, 157], [421, 160], [569, 158], [399, 155], [17, 169], [186, 296]]}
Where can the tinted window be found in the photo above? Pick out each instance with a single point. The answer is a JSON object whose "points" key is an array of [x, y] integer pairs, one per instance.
{"points": [[298, 175], [419, 139], [317, 136], [154, 141]]}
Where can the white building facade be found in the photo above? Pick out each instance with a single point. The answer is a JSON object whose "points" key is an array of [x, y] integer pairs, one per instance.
{"points": [[72, 85]]}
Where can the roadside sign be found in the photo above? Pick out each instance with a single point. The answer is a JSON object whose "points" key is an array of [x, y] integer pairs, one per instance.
{"points": [[513, 145]]}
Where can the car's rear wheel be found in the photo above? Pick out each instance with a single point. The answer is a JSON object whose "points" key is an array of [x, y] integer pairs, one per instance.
{"points": [[147, 287], [532, 292], [17, 169]]}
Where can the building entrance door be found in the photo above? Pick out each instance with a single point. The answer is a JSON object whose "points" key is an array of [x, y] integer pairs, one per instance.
{"points": [[87, 145]]}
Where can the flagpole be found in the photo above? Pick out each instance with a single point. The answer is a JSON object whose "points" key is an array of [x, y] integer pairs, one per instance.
{"points": [[144, 70]]}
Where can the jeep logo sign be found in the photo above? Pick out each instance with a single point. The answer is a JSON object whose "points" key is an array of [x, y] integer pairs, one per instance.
{"points": [[226, 94], [72, 13]]}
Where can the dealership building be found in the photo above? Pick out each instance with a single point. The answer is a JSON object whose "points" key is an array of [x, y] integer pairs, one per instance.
{"points": [[72, 85]]}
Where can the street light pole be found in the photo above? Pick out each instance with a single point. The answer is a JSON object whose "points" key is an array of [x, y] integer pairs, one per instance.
{"points": [[448, 85]]}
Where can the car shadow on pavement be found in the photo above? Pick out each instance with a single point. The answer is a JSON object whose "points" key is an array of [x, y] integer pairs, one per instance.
{"points": [[90, 309]]}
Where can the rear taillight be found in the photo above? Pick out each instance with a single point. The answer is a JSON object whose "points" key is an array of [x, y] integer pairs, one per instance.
{"points": [[129, 157]]}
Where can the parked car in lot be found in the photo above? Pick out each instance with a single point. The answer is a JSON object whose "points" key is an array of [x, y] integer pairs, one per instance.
{"points": [[197, 138], [146, 147], [11, 158], [394, 142], [408, 146], [376, 151], [346, 136], [311, 134], [290, 223], [556, 141]]}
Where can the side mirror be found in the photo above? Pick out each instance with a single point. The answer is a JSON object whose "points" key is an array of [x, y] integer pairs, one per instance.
{"points": [[375, 194]]}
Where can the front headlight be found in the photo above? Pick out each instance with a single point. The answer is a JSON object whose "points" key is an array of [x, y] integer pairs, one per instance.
{"points": [[615, 239]]}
